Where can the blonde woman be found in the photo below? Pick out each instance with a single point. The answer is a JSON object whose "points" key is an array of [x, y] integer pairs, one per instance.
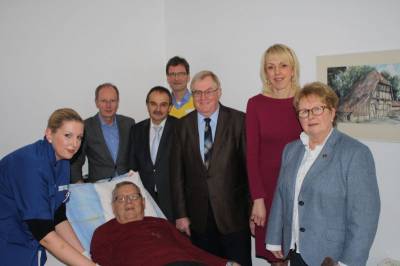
{"points": [[33, 190], [271, 123]]}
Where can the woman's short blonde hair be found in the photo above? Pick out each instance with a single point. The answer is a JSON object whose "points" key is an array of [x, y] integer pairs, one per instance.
{"points": [[284, 52], [323, 91], [59, 116]]}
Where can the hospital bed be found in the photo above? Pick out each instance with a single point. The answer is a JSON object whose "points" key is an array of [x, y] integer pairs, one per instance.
{"points": [[89, 205]]}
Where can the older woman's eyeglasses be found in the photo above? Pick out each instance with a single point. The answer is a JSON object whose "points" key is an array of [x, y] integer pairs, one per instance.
{"points": [[317, 110], [128, 198]]}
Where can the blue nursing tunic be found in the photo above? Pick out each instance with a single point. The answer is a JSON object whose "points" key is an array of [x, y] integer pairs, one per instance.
{"points": [[32, 186]]}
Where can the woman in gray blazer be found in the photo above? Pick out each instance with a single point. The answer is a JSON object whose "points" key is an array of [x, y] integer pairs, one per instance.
{"points": [[326, 203]]}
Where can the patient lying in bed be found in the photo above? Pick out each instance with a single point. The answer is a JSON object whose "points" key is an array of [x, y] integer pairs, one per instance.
{"points": [[133, 239], [89, 205]]}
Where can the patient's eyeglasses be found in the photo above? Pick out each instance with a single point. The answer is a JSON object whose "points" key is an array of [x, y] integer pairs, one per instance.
{"points": [[128, 198]]}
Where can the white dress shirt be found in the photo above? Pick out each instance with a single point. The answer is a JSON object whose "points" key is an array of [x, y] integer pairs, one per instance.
{"points": [[152, 134], [308, 159]]}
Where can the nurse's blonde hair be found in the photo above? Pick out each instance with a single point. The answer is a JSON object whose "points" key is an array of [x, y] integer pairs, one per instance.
{"points": [[59, 116]]}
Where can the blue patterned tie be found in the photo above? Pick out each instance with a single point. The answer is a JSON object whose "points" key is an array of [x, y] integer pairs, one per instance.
{"points": [[208, 142], [155, 142]]}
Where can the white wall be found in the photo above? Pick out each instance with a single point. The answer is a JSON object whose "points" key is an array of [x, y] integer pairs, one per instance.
{"points": [[54, 53], [229, 36]]}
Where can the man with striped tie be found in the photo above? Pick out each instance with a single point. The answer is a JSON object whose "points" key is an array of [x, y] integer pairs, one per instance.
{"points": [[208, 175]]}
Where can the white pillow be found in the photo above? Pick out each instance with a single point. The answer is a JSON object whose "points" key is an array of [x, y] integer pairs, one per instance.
{"points": [[105, 188], [90, 205]]}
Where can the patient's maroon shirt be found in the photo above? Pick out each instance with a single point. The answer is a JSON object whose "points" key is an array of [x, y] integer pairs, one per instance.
{"points": [[152, 241]]}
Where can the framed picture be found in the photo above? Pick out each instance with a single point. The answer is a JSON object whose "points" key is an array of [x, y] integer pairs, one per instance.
{"points": [[368, 86]]}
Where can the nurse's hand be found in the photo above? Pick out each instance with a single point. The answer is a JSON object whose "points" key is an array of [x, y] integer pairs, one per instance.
{"points": [[63, 250]]}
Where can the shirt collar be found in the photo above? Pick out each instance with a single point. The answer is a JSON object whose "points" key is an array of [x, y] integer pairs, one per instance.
{"points": [[305, 139], [213, 116], [162, 124], [184, 99], [51, 153], [103, 123]]}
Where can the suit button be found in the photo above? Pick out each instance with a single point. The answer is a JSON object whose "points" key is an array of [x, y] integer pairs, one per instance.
{"points": [[302, 229], [301, 203]]}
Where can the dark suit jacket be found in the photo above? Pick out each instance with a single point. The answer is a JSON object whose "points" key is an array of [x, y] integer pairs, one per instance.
{"points": [[158, 173], [94, 147], [224, 184]]}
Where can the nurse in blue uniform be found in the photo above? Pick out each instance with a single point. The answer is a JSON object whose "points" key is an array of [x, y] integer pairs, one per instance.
{"points": [[33, 190]]}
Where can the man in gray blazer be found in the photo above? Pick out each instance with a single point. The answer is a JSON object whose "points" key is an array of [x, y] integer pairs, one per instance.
{"points": [[153, 146], [106, 143], [208, 174]]}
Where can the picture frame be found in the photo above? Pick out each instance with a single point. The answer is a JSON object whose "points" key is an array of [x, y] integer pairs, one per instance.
{"points": [[369, 93]]}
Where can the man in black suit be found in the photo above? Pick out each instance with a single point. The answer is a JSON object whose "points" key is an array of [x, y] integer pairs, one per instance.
{"points": [[106, 143], [208, 174], [153, 144]]}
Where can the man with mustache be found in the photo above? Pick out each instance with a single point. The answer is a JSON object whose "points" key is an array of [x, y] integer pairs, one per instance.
{"points": [[152, 145]]}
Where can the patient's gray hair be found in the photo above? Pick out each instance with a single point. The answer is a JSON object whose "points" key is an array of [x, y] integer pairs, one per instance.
{"points": [[121, 184]]}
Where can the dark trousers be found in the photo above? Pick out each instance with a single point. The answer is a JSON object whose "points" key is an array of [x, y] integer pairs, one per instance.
{"points": [[295, 259], [234, 246]]}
